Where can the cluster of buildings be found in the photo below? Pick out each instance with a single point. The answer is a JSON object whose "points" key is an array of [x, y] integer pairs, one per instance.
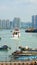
{"points": [[7, 24], [4, 24]]}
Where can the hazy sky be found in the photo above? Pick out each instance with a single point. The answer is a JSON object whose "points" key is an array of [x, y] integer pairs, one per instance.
{"points": [[23, 9]]}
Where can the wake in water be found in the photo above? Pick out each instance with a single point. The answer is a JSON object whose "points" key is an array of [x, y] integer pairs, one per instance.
{"points": [[16, 37]]}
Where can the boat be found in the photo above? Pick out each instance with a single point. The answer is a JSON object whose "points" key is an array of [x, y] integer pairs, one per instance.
{"points": [[27, 49], [24, 52], [16, 33], [4, 47], [31, 30]]}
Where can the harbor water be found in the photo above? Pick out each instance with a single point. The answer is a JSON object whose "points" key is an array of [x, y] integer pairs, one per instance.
{"points": [[25, 39]]}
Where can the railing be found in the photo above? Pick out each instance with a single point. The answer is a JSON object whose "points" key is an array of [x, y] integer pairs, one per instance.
{"points": [[19, 63]]}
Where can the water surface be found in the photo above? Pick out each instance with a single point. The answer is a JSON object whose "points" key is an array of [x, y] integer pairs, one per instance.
{"points": [[26, 39]]}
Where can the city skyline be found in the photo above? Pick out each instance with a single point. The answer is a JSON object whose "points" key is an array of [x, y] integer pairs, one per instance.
{"points": [[23, 9], [7, 24]]}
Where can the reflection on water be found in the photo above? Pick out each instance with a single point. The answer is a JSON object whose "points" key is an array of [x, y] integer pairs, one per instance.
{"points": [[27, 57], [35, 34]]}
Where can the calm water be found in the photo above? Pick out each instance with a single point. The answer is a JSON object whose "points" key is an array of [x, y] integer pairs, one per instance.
{"points": [[26, 39]]}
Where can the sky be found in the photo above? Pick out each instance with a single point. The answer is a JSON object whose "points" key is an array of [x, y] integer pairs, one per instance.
{"points": [[24, 9]]}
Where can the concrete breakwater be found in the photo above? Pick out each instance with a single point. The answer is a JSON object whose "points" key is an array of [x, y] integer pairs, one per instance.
{"points": [[19, 63]]}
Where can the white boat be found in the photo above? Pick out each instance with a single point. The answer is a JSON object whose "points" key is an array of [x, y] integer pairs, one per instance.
{"points": [[16, 33]]}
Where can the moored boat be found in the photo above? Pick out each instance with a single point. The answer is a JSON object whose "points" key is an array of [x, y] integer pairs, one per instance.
{"points": [[25, 52], [27, 48]]}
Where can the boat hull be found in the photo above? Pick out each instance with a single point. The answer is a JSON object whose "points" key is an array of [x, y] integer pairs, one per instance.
{"points": [[16, 36], [34, 31], [3, 49]]}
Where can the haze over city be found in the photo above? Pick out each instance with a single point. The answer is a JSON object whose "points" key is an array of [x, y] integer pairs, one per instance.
{"points": [[18, 32], [23, 9]]}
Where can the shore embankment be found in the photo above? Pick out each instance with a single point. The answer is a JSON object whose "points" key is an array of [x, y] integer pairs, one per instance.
{"points": [[19, 63]]}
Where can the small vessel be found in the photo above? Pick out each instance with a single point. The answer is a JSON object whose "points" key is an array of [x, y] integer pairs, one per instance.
{"points": [[4, 47], [16, 33]]}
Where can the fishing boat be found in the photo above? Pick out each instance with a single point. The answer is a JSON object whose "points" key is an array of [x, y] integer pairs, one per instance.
{"points": [[4, 47], [16, 33]]}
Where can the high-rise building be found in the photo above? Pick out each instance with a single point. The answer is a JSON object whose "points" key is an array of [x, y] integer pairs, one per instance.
{"points": [[16, 23], [11, 24], [7, 24], [3, 24], [34, 21]]}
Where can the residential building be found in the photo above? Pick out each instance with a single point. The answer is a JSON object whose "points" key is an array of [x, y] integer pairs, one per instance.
{"points": [[16, 23], [34, 21], [7, 24], [11, 24], [3, 24]]}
